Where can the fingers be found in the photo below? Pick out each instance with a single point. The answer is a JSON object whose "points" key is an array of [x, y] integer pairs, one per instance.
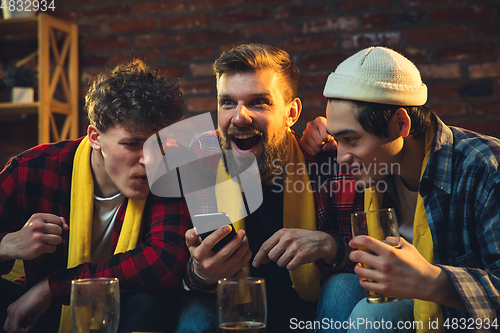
{"points": [[192, 238], [262, 256], [315, 137]]}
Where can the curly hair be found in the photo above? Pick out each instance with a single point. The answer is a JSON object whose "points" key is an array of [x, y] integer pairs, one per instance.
{"points": [[255, 57], [134, 96]]}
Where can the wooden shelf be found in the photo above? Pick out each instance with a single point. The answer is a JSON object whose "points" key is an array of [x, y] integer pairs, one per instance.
{"points": [[12, 109], [57, 71]]}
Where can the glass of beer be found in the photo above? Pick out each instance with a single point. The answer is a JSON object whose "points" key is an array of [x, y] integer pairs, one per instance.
{"points": [[242, 305], [382, 225], [95, 305]]}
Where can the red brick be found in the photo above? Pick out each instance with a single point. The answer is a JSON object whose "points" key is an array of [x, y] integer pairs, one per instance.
{"points": [[485, 107], [309, 43], [150, 57], [467, 51], [93, 60], [202, 104], [440, 90], [201, 70], [68, 14], [491, 29], [198, 53], [313, 80], [435, 34], [313, 97], [377, 20], [133, 26], [354, 5], [301, 11], [263, 2], [185, 21], [432, 2], [336, 24], [489, 69], [158, 39], [212, 4], [159, 7], [172, 71], [449, 109], [460, 13], [388, 38], [440, 71], [412, 53], [194, 88], [244, 15], [79, 2], [106, 43], [213, 35], [107, 12], [486, 126], [92, 29], [278, 29], [328, 61]]}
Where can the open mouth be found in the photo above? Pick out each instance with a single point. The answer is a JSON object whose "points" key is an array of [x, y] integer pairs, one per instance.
{"points": [[246, 142]]}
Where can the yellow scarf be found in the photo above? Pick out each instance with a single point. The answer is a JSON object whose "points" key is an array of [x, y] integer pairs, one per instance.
{"points": [[298, 212], [81, 217], [423, 311]]}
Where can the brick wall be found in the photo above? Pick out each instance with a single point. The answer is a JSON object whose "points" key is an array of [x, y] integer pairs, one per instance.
{"points": [[454, 43]]}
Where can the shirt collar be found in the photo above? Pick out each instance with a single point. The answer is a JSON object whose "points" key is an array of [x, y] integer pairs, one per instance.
{"points": [[439, 168]]}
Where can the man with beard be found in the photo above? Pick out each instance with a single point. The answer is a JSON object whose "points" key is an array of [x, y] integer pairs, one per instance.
{"points": [[295, 237]]}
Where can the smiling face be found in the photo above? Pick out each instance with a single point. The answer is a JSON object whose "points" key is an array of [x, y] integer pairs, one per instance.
{"points": [[118, 162], [369, 157], [253, 117]]}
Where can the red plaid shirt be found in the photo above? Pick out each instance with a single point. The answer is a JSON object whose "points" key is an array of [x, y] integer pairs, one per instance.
{"points": [[39, 181], [334, 189]]}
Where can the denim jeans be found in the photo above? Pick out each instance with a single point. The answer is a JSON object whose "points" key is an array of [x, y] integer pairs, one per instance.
{"points": [[342, 307], [198, 313]]}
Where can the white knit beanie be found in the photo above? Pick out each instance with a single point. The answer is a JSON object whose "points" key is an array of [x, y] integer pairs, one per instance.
{"points": [[378, 75]]}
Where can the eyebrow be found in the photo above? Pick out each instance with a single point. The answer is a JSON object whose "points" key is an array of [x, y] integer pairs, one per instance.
{"points": [[261, 94], [342, 132]]}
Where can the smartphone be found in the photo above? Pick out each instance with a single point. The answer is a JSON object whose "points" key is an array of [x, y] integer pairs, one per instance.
{"points": [[207, 223]]}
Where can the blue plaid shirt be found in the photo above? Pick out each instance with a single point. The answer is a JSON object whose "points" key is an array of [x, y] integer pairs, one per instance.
{"points": [[461, 192]]}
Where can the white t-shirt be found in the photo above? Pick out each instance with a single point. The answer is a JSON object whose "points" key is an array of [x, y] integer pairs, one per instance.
{"points": [[105, 210], [407, 205]]}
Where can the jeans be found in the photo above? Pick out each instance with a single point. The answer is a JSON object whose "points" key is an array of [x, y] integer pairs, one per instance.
{"points": [[198, 313], [342, 307]]}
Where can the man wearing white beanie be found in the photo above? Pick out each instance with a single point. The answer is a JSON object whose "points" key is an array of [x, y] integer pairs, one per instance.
{"points": [[444, 184]]}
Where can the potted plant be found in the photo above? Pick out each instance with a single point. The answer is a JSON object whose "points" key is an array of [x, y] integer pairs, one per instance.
{"points": [[21, 79]]}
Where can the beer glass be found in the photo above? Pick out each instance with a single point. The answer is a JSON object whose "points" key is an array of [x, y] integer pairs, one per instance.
{"points": [[95, 305], [242, 305], [382, 225]]}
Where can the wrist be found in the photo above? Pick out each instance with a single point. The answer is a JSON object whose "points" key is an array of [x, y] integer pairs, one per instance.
{"points": [[193, 281], [335, 254]]}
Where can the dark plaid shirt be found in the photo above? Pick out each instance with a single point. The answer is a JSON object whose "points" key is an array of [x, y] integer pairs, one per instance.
{"points": [[334, 189], [39, 181], [461, 192]]}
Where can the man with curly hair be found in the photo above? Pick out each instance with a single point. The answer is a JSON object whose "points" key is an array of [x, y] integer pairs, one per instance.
{"points": [[83, 209]]}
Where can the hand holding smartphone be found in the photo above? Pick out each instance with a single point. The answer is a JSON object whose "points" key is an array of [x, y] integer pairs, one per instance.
{"points": [[205, 224]]}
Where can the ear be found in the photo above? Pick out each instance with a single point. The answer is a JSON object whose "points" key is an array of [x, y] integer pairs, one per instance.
{"points": [[293, 112], [403, 122], [94, 136]]}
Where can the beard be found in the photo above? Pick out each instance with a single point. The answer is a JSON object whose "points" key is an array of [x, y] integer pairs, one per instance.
{"points": [[270, 160]]}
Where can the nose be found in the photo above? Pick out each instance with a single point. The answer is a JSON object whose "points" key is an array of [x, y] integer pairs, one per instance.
{"points": [[143, 160], [242, 117], [343, 155]]}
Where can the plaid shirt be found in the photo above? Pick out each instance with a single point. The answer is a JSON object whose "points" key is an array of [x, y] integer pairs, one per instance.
{"points": [[334, 189], [39, 181], [461, 192]]}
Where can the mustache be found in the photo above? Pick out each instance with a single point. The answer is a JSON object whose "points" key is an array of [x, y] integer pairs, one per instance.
{"points": [[247, 130]]}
